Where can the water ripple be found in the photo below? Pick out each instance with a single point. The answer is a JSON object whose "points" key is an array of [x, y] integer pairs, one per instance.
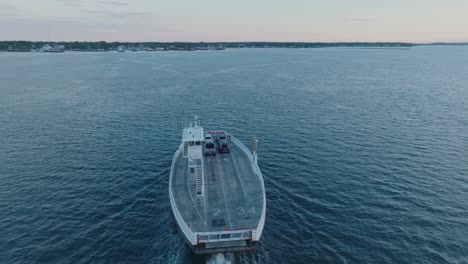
{"points": [[364, 152]]}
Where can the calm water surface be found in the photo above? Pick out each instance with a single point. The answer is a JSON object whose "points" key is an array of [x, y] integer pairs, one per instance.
{"points": [[364, 152]]}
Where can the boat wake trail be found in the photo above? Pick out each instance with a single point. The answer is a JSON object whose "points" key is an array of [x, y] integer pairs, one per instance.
{"points": [[220, 258]]}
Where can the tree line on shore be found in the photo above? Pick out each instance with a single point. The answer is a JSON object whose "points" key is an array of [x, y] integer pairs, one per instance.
{"points": [[106, 46]]}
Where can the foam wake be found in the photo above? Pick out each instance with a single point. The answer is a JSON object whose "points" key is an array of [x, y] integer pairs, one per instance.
{"points": [[220, 258]]}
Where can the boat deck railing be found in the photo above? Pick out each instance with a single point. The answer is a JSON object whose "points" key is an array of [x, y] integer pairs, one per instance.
{"points": [[183, 226], [241, 146], [231, 235], [256, 232]]}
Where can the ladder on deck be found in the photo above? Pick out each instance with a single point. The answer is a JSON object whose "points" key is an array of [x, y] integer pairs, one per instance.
{"points": [[199, 182], [185, 153]]}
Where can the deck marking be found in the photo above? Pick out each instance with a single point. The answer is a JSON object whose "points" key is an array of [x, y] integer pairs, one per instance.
{"points": [[240, 210], [205, 190], [205, 206], [238, 176], [224, 195], [216, 211]]}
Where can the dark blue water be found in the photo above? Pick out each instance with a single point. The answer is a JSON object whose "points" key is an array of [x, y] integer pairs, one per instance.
{"points": [[364, 152]]}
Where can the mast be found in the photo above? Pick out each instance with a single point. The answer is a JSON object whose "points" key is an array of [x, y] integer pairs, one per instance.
{"points": [[255, 156]]}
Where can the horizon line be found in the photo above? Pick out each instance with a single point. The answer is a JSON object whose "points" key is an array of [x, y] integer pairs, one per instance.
{"points": [[250, 41]]}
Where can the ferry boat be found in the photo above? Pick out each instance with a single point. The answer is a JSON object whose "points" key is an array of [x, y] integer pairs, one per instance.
{"points": [[217, 197], [52, 49]]}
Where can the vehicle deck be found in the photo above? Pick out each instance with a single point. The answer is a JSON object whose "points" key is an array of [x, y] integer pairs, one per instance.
{"points": [[233, 197]]}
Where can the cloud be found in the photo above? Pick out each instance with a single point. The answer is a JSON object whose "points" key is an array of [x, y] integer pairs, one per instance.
{"points": [[116, 13], [359, 19], [8, 9], [112, 3], [75, 29], [74, 3]]}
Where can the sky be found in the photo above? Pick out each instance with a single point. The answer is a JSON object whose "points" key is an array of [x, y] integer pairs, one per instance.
{"points": [[418, 21]]}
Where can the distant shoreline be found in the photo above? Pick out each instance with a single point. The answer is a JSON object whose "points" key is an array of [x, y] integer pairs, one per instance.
{"points": [[102, 46]]}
